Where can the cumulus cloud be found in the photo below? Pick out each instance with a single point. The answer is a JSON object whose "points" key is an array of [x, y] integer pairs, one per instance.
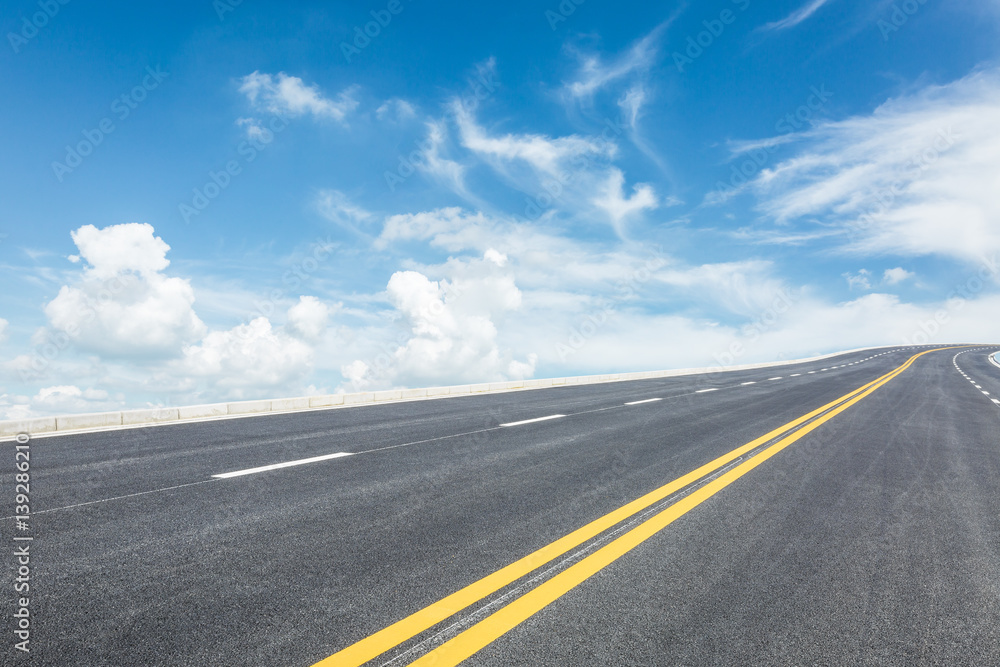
{"points": [[4, 325], [916, 177], [120, 249], [452, 323], [308, 318], [122, 304], [284, 94], [451, 339], [246, 361], [496, 257]]}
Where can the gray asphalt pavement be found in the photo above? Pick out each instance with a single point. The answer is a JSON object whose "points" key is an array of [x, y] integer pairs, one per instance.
{"points": [[873, 539]]}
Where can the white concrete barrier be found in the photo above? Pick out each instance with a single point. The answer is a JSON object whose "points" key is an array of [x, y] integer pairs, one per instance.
{"points": [[328, 401], [203, 411], [363, 397], [91, 421], [249, 407], [153, 416]]}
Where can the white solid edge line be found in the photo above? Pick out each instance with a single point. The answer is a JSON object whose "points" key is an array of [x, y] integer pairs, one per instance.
{"points": [[648, 400], [532, 421], [702, 391], [287, 464]]}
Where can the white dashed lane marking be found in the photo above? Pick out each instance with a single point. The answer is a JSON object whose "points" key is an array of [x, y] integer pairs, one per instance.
{"points": [[532, 421], [954, 362], [648, 400]]}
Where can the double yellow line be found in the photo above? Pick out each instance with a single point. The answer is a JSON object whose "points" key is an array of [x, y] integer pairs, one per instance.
{"points": [[489, 629]]}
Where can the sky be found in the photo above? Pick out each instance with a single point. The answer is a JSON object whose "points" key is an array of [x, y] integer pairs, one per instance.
{"points": [[216, 201]]}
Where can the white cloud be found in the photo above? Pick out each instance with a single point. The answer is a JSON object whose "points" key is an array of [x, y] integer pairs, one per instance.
{"points": [[496, 257], [355, 373], [739, 288], [452, 328], [337, 207], [396, 110], [308, 318], [4, 325], [545, 260], [121, 248], [612, 200], [917, 177], [631, 104], [284, 94], [255, 131], [449, 173], [541, 152], [122, 304], [559, 176], [595, 74], [798, 16], [246, 361], [69, 399], [456, 229], [860, 280], [896, 276]]}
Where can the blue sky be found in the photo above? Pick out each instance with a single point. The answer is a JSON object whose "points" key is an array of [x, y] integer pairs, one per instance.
{"points": [[215, 201]]}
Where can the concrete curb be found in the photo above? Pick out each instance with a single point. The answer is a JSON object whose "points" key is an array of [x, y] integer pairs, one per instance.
{"points": [[993, 359], [158, 416]]}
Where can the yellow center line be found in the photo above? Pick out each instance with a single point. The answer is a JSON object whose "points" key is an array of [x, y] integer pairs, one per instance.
{"points": [[378, 643], [491, 628]]}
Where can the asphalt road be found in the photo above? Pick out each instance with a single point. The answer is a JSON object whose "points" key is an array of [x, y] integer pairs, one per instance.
{"points": [[868, 533]]}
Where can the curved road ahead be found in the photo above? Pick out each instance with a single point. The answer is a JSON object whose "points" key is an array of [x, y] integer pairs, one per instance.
{"points": [[837, 512]]}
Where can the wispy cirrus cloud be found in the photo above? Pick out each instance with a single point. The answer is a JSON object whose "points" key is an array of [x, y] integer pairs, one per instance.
{"points": [[595, 73], [916, 177], [543, 153], [796, 17]]}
